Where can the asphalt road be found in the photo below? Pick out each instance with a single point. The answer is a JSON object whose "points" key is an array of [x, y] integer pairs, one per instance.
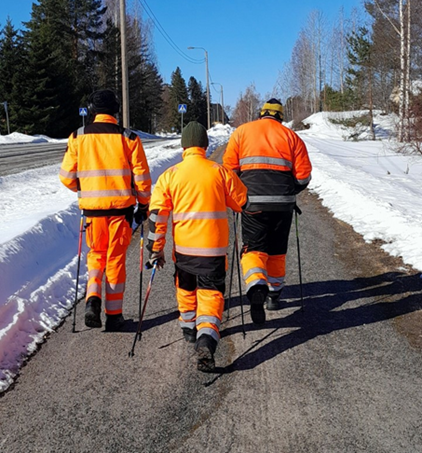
{"points": [[17, 157], [343, 375]]}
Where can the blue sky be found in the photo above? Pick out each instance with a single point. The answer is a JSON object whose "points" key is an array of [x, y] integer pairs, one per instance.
{"points": [[247, 41]]}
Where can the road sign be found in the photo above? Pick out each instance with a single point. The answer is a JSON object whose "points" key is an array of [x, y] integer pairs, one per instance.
{"points": [[182, 108], [83, 111]]}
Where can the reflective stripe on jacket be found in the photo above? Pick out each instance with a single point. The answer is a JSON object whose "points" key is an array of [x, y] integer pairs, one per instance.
{"points": [[106, 164], [198, 191], [272, 161]]}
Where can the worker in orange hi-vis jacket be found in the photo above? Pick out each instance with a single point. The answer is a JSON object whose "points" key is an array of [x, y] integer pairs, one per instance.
{"points": [[273, 162], [198, 191], [106, 164]]}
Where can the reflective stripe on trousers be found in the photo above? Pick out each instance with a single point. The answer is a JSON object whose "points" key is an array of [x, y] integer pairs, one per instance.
{"points": [[276, 268], [200, 301], [259, 268]]}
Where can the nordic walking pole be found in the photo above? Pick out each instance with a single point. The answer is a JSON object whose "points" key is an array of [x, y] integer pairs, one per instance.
{"points": [[138, 332], [230, 285], [236, 245], [81, 230], [298, 211], [141, 266]]}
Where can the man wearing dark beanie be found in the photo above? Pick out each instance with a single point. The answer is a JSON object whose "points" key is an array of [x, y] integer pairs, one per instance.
{"points": [[106, 164], [198, 191]]}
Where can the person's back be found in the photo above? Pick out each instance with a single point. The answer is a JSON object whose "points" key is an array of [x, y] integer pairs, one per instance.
{"points": [[107, 160], [273, 163], [107, 166], [198, 192], [198, 188]]}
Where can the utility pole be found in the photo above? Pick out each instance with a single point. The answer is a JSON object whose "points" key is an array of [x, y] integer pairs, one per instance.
{"points": [[125, 78], [208, 85], [222, 101]]}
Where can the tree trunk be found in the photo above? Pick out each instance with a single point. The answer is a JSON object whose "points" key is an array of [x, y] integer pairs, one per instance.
{"points": [[407, 81], [402, 73]]}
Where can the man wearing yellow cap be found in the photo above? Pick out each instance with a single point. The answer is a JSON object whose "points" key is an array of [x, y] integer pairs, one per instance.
{"points": [[273, 162]]}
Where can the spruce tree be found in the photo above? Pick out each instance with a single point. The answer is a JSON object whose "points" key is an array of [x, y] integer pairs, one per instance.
{"points": [[197, 108], [357, 78], [10, 65], [44, 89], [178, 95], [61, 60]]}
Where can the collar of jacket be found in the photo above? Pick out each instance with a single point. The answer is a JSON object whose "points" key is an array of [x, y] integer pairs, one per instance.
{"points": [[104, 118], [194, 151], [270, 118]]}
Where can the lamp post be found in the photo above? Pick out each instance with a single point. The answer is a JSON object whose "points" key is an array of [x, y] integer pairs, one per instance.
{"points": [[125, 78], [222, 101], [208, 84], [7, 116]]}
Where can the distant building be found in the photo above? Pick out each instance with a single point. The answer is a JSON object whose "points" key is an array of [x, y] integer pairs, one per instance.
{"points": [[217, 114]]}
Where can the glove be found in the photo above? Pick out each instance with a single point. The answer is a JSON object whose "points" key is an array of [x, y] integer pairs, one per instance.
{"points": [[246, 207], [156, 257], [141, 213]]}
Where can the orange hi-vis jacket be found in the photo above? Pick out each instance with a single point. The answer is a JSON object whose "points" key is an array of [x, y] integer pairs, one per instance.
{"points": [[272, 161], [106, 164], [198, 191]]}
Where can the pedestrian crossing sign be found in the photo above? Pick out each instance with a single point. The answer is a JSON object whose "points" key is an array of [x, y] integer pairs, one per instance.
{"points": [[83, 111], [182, 108]]}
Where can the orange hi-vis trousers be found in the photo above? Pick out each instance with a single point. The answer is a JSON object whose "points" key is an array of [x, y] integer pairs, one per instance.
{"points": [[108, 239], [200, 300], [265, 238], [259, 268]]}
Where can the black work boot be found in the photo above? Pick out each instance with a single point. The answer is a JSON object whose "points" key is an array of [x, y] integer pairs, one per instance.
{"points": [[189, 334], [205, 347], [93, 312], [256, 296], [273, 302], [114, 323]]}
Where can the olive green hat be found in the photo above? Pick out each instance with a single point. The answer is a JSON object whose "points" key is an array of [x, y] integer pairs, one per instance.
{"points": [[194, 134]]}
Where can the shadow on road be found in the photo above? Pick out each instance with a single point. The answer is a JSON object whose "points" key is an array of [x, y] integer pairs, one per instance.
{"points": [[389, 295]]}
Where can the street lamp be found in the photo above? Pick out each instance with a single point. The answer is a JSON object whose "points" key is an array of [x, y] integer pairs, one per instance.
{"points": [[222, 101], [208, 84], [7, 116]]}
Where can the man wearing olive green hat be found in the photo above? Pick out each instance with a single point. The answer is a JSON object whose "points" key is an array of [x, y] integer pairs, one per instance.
{"points": [[198, 191]]}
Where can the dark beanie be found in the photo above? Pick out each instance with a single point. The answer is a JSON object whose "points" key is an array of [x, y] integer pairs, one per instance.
{"points": [[103, 101], [194, 134]]}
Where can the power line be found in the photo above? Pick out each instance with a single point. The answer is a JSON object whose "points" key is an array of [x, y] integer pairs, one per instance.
{"points": [[160, 28]]}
